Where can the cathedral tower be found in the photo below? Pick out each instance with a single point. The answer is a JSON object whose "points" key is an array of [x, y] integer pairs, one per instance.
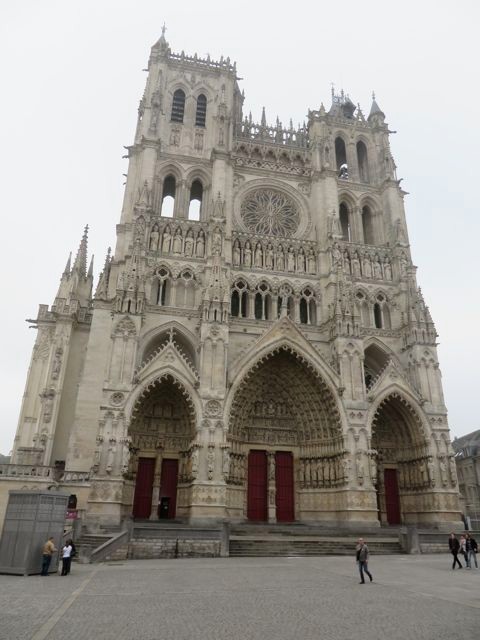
{"points": [[257, 346]]}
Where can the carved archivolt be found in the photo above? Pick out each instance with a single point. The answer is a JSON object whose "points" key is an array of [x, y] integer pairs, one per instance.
{"points": [[283, 400]]}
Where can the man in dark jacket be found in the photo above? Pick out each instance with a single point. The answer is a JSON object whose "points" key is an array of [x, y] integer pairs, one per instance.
{"points": [[471, 548], [454, 546], [362, 560]]}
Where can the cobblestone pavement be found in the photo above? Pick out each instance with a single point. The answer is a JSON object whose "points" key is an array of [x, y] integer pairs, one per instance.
{"points": [[416, 597]]}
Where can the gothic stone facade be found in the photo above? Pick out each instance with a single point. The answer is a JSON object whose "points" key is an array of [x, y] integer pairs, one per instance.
{"points": [[257, 347]]}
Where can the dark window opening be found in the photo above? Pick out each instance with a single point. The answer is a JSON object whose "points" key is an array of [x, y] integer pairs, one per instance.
{"points": [[235, 306], [201, 113], [377, 313], [367, 224], [303, 311], [345, 222], [362, 160], [178, 106]]}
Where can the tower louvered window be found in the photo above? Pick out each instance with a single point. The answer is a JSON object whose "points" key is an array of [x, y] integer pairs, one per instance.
{"points": [[201, 114], [178, 106]]}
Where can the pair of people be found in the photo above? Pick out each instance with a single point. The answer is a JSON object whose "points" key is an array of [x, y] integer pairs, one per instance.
{"points": [[362, 554], [68, 551], [467, 546]]}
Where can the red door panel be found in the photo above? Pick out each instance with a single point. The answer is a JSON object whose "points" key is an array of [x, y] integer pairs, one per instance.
{"points": [[392, 497], [284, 486], [257, 508], [142, 501], [168, 485]]}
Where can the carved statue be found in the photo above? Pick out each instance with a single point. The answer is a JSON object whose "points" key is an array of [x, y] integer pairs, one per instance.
{"points": [[154, 238], [377, 268], [226, 463], [177, 242], [195, 455], [167, 236], [280, 259], [301, 261], [247, 254], [387, 269], [311, 262], [200, 252], [236, 254], [367, 266], [271, 466], [333, 225], [57, 363], [189, 243], [346, 262], [356, 265], [403, 265], [210, 462], [360, 468], [258, 255], [290, 260], [217, 242], [269, 257], [336, 255], [443, 471]]}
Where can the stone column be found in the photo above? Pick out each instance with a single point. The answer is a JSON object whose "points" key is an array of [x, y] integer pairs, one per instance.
{"points": [[272, 508], [156, 485]]}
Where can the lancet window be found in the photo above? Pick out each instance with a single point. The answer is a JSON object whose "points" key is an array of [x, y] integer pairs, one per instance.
{"points": [[308, 307], [362, 161], [263, 302], [161, 287], [341, 158], [367, 226], [381, 313], [201, 112], [168, 197], [178, 106], [195, 205], [345, 223], [239, 300]]}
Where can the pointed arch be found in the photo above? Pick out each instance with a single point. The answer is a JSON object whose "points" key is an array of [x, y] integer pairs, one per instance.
{"points": [[156, 337]]}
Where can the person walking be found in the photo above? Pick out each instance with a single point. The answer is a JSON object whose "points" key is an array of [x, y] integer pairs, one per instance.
{"points": [[454, 547], [47, 553], [463, 550], [471, 548], [66, 557], [362, 554]]}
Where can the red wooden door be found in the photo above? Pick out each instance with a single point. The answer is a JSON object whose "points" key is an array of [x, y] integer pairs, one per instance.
{"points": [[142, 500], [392, 496], [284, 486], [168, 485], [257, 506]]}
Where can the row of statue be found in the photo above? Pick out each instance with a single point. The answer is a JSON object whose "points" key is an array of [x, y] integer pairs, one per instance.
{"points": [[275, 258], [322, 473], [173, 241], [365, 264]]}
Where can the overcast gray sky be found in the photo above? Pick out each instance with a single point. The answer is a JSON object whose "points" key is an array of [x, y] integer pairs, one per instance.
{"points": [[71, 78]]}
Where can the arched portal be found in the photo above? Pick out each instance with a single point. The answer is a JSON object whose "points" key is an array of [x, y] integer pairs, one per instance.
{"points": [[404, 464], [286, 444], [162, 458]]}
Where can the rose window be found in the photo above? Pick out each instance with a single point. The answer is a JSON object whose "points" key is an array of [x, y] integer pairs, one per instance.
{"points": [[269, 212]]}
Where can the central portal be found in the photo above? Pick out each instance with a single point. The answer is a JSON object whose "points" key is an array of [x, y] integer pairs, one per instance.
{"points": [[285, 442]]}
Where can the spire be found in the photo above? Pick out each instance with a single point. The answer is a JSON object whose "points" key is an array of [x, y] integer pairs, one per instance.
{"points": [[80, 264], [68, 266], [264, 118], [162, 43], [375, 109], [90, 268]]}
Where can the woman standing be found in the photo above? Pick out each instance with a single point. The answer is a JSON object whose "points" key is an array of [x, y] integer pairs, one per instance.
{"points": [[66, 557]]}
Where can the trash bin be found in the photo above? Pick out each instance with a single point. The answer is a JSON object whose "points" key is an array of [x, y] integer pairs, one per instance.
{"points": [[163, 508]]}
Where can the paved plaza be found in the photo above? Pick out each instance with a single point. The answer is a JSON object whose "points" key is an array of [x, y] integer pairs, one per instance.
{"points": [[416, 597]]}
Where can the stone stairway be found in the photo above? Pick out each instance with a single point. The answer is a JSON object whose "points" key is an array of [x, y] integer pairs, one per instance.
{"points": [[304, 540], [87, 542]]}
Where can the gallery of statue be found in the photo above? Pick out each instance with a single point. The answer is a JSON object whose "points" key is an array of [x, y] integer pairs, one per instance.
{"points": [[257, 347]]}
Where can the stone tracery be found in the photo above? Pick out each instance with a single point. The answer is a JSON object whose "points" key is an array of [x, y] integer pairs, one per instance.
{"points": [[270, 212]]}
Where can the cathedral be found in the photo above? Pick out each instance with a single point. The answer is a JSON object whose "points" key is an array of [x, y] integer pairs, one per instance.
{"points": [[257, 347]]}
